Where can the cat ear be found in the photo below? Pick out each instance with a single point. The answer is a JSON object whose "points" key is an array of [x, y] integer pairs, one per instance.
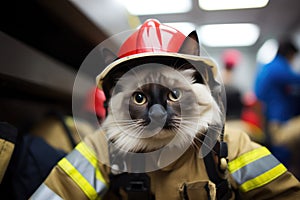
{"points": [[191, 45], [108, 56]]}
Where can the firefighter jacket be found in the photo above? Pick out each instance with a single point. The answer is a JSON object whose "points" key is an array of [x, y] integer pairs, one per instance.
{"points": [[253, 173]]}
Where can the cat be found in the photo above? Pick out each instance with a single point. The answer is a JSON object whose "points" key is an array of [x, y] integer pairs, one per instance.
{"points": [[156, 106], [159, 104]]}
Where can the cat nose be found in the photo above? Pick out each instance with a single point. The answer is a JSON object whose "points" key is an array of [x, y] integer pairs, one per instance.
{"points": [[157, 113]]}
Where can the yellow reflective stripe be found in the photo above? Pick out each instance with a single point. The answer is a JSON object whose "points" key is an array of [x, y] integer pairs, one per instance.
{"points": [[263, 178], [91, 157], [70, 170], [247, 158]]}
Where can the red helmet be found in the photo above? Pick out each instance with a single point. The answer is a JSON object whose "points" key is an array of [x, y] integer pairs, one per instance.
{"points": [[152, 41], [152, 36]]}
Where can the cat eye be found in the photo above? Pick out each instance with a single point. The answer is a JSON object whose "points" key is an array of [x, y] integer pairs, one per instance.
{"points": [[175, 95], [139, 98]]}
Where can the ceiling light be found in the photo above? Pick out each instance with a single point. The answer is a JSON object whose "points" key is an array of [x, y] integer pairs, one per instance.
{"points": [[231, 4], [219, 35], [146, 7], [184, 27], [267, 51]]}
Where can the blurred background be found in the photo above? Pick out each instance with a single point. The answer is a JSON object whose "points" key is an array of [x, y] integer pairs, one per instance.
{"points": [[44, 42]]}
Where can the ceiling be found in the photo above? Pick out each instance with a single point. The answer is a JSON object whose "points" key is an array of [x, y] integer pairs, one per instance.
{"points": [[278, 18], [64, 31]]}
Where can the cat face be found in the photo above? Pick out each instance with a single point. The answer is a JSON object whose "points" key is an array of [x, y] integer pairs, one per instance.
{"points": [[156, 105], [153, 106], [158, 101]]}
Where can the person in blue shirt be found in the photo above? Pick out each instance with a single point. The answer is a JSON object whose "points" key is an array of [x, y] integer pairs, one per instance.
{"points": [[276, 87], [274, 82]]}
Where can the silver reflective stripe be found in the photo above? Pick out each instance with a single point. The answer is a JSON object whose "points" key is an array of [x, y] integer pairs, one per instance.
{"points": [[43, 192], [254, 169], [87, 170]]}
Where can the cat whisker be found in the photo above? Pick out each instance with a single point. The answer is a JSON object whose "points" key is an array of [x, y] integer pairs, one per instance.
{"points": [[184, 137], [130, 123], [129, 126], [194, 125], [125, 124], [208, 123], [186, 120], [197, 122], [140, 132], [189, 117], [203, 143], [136, 129], [192, 140], [187, 127], [127, 121]]}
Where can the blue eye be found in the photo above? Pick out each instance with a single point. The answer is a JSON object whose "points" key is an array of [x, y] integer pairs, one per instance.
{"points": [[139, 98], [175, 95]]}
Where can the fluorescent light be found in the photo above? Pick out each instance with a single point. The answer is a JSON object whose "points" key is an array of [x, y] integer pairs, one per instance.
{"points": [[231, 4], [267, 51], [146, 7], [184, 27], [218, 35]]}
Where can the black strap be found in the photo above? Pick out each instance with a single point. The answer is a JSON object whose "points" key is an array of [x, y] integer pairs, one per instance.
{"points": [[136, 185], [213, 172]]}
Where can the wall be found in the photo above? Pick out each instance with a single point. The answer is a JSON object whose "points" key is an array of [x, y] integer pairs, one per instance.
{"points": [[244, 74]]}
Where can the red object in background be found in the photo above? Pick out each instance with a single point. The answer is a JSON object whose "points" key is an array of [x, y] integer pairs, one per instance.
{"points": [[249, 99], [95, 102], [251, 117], [230, 58], [252, 112]]}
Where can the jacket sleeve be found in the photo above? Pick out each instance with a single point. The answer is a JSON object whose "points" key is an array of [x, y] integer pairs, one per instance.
{"points": [[255, 172], [79, 175]]}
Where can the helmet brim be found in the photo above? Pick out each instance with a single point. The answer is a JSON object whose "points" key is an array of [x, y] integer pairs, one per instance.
{"points": [[105, 80]]}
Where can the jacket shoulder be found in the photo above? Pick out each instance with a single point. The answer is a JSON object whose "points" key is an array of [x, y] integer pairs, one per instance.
{"points": [[238, 142], [255, 172]]}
